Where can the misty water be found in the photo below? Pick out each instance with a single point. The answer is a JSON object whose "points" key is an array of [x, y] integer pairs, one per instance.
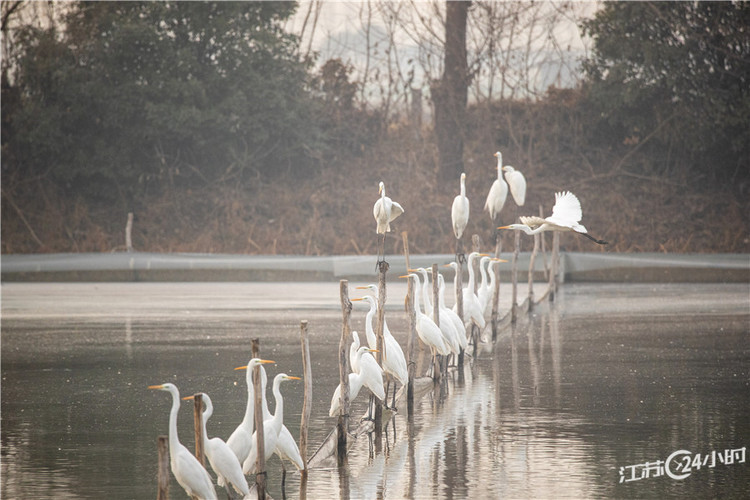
{"points": [[586, 397]]}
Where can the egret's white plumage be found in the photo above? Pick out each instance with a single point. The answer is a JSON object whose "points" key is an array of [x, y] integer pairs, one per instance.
{"points": [[353, 359], [450, 335], [498, 191], [191, 475], [221, 457], [566, 216], [450, 315], [385, 211], [460, 210], [271, 427], [517, 184], [427, 330], [240, 441], [286, 446], [369, 375], [394, 361], [472, 310]]}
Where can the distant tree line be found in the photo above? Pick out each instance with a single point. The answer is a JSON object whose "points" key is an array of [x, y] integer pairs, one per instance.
{"points": [[124, 100]]}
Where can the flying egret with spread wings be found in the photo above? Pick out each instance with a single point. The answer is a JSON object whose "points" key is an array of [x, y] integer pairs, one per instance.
{"points": [[566, 216]]}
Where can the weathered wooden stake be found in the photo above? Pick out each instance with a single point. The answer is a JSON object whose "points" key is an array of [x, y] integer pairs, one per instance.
{"points": [[514, 276], [544, 250], [555, 263], [198, 427], [476, 246], [496, 296], [440, 365], [260, 462], [381, 354], [346, 338], [459, 285], [405, 238], [128, 233], [162, 446], [532, 260], [307, 403]]}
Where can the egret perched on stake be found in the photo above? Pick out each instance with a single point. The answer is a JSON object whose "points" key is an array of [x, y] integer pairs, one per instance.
{"points": [[188, 471], [385, 211], [271, 427], [566, 215], [221, 457], [241, 439], [498, 191], [517, 184], [460, 210]]}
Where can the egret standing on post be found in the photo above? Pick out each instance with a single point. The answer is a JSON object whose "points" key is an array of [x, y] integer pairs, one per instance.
{"points": [[385, 211], [517, 184], [566, 215], [498, 191], [460, 214]]}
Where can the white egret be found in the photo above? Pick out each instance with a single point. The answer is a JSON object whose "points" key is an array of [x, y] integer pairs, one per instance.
{"points": [[385, 211], [566, 215], [427, 330], [517, 184], [490, 290], [353, 360], [483, 291], [370, 375], [241, 440], [452, 316], [460, 210], [271, 427], [394, 361], [221, 457], [472, 309], [286, 446], [498, 191], [450, 335], [188, 471]]}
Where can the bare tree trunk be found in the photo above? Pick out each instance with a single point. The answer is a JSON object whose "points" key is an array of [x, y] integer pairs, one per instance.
{"points": [[450, 93]]}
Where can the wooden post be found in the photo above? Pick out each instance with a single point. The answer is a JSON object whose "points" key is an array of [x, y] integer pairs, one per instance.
{"points": [[405, 238], [128, 233], [307, 403], [162, 446], [514, 276], [260, 463], [381, 354], [459, 280], [496, 296], [532, 260], [555, 262], [346, 338], [198, 427], [411, 345], [476, 244], [544, 250]]}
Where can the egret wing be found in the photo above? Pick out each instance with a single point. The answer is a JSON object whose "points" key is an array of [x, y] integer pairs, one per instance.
{"points": [[532, 221], [567, 210], [396, 209]]}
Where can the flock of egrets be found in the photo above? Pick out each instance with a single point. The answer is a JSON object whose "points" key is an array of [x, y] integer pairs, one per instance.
{"points": [[233, 459]]}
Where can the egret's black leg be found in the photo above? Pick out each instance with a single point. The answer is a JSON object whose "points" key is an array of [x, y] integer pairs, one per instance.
{"points": [[599, 242]]}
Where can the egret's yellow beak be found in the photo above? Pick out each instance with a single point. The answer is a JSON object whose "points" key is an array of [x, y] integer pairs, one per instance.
{"points": [[262, 361]]}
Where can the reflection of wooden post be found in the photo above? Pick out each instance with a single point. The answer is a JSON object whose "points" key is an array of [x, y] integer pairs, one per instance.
{"points": [[307, 403], [260, 461], [514, 276], [411, 344], [162, 447], [532, 260], [343, 423], [198, 427], [128, 233], [496, 296], [381, 354]]}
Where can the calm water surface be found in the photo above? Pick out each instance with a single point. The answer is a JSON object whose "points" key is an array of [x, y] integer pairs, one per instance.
{"points": [[572, 402]]}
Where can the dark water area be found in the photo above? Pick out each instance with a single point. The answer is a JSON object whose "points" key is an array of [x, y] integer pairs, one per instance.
{"points": [[628, 391]]}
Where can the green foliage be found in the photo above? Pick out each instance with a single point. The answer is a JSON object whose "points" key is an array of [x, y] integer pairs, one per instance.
{"points": [[136, 94], [677, 73]]}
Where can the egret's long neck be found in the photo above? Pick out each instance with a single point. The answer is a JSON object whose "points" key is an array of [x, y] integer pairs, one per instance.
{"points": [[372, 341], [491, 272], [206, 415], [441, 294], [174, 441], [483, 270], [426, 295], [500, 167], [248, 421], [417, 297], [278, 415], [529, 231], [463, 187], [470, 284], [263, 384]]}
